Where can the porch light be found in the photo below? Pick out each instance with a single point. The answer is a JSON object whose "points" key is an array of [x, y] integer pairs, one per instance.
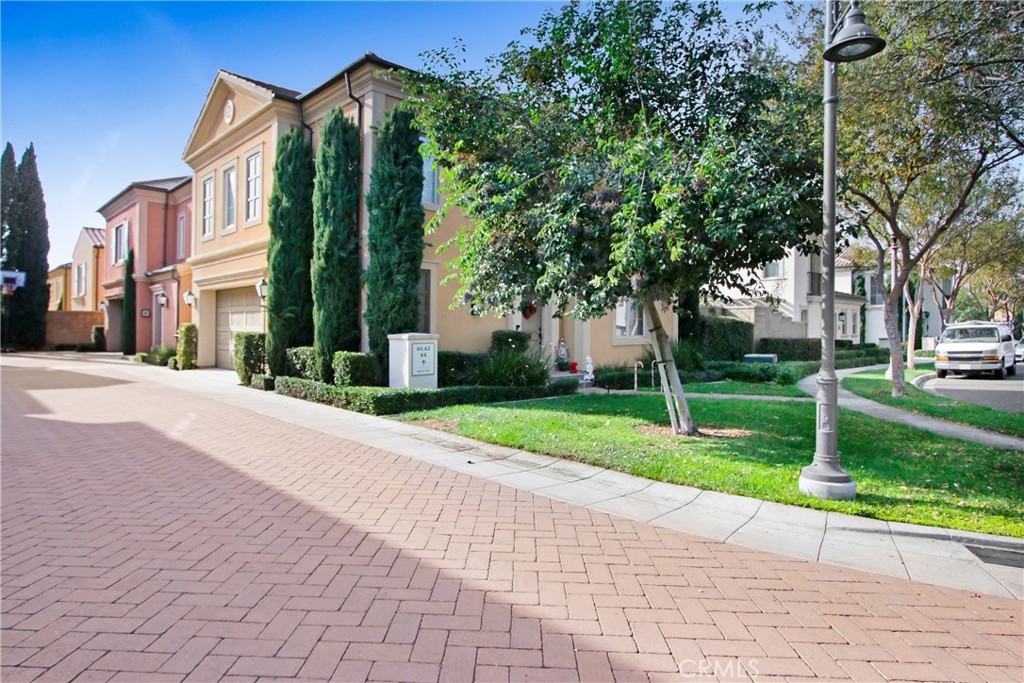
{"points": [[161, 299], [261, 289], [189, 297]]}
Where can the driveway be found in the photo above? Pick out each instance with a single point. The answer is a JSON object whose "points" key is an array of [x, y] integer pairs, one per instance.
{"points": [[154, 534], [1006, 395]]}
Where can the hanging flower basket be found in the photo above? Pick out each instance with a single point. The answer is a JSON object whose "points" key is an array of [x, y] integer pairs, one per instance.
{"points": [[528, 309]]}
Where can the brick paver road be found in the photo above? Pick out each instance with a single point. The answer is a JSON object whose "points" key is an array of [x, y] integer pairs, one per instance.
{"points": [[150, 534]]}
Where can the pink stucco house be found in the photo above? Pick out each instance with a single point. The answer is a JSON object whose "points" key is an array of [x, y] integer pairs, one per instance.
{"points": [[154, 219]]}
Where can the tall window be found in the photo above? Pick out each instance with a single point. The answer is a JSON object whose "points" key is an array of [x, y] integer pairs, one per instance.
{"points": [[875, 294], [207, 207], [424, 324], [253, 186], [120, 243], [431, 179], [79, 280], [181, 237], [229, 198], [629, 319]]}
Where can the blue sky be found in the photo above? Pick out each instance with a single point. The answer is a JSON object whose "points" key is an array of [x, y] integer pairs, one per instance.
{"points": [[108, 92]]}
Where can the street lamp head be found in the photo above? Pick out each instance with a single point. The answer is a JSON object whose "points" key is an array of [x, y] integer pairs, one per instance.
{"points": [[855, 39]]}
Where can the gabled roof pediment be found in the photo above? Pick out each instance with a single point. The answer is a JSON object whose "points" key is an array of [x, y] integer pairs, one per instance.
{"points": [[218, 117]]}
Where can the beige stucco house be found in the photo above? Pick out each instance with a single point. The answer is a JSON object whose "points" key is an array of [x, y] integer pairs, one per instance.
{"points": [[231, 151], [87, 269]]}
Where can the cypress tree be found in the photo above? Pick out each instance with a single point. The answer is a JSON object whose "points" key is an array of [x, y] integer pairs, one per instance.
{"points": [[335, 268], [8, 190], [27, 217], [396, 233], [128, 307], [289, 251]]}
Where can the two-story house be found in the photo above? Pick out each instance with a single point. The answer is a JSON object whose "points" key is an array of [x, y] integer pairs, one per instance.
{"points": [[231, 151], [59, 281], [153, 218], [87, 269]]}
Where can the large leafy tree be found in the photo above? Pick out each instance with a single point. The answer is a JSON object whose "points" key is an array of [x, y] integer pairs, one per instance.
{"points": [[942, 107], [632, 151], [31, 233], [395, 204], [335, 270], [289, 250], [8, 189]]}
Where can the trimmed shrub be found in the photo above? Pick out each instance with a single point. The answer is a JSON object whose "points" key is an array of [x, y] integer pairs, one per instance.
{"points": [[844, 343], [172, 363], [624, 379], [454, 366], [791, 349], [510, 339], [84, 348], [160, 355], [128, 307], [386, 401], [354, 369], [686, 353], [262, 382], [138, 358], [66, 347], [507, 368], [726, 338], [302, 363], [250, 355], [188, 346], [99, 338]]}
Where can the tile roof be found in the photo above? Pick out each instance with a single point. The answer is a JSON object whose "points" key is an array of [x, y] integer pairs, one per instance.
{"points": [[160, 184], [98, 236], [283, 93]]}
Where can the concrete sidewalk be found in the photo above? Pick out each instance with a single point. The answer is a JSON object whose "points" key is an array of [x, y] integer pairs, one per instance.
{"points": [[162, 526], [930, 424]]}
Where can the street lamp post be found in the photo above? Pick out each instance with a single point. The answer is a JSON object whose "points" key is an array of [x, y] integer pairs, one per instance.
{"points": [[847, 38]]}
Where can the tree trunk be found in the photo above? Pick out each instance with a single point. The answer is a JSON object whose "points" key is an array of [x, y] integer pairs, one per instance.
{"points": [[915, 317], [892, 312], [678, 410]]}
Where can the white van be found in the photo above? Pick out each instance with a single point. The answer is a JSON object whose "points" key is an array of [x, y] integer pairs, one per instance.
{"points": [[973, 347]]}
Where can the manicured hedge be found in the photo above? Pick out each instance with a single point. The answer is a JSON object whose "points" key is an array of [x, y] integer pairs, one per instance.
{"points": [[301, 362], [726, 338], [161, 355], [453, 367], [510, 339], [354, 369], [624, 379], [250, 355], [385, 401], [99, 338], [262, 382], [172, 363], [791, 349], [188, 344]]}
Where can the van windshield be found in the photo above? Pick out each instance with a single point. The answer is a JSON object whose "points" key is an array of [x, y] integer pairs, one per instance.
{"points": [[968, 334]]}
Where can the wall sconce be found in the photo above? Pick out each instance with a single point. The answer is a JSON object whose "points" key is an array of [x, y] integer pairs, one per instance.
{"points": [[161, 299], [261, 289], [189, 297], [103, 305]]}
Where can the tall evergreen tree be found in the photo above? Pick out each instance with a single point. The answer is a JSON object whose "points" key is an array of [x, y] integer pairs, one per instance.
{"points": [[27, 217], [128, 307], [335, 268], [8, 189], [289, 251], [396, 233]]}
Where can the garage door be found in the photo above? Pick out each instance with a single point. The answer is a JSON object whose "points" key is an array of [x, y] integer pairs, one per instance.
{"points": [[238, 310]]}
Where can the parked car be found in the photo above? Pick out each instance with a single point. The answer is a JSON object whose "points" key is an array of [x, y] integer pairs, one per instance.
{"points": [[974, 347], [1019, 353]]}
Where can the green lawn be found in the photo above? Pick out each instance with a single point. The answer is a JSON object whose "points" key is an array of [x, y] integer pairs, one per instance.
{"points": [[731, 386], [902, 474], [875, 386]]}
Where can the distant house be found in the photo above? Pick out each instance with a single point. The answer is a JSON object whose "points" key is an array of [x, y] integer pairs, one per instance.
{"points": [[154, 219], [60, 290], [87, 269]]}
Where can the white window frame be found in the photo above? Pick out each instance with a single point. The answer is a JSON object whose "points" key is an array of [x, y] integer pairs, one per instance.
{"points": [[779, 275], [253, 186], [207, 189], [80, 274], [230, 203], [181, 236], [623, 310], [119, 254], [431, 180]]}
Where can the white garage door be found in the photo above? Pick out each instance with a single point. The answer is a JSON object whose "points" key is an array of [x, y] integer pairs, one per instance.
{"points": [[238, 310]]}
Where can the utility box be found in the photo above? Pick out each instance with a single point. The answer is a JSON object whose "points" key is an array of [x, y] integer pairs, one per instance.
{"points": [[760, 358], [412, 360]]}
